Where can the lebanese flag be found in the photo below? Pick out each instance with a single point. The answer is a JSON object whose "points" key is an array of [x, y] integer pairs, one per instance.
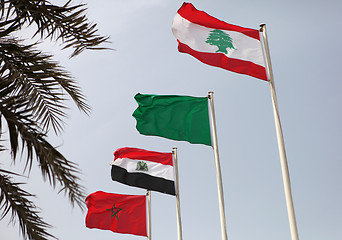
{"points": [[144, 169], [218, 43], [117, 212]]}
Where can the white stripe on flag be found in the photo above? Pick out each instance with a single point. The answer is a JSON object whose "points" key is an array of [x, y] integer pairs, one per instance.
{"points": [[154, 169]]}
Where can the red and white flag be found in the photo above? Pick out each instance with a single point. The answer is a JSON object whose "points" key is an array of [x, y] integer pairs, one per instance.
{"points": [[218, 43], [144, 169], [117, 212]]}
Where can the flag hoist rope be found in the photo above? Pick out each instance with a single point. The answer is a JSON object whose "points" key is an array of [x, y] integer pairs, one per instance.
{"points": [[218, 167], [149, 232], [179, 223], [281, 145]]}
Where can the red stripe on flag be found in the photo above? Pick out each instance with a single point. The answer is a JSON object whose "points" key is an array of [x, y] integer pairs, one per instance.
{"points": [[141, 154], [189, 12], [222, 61]]}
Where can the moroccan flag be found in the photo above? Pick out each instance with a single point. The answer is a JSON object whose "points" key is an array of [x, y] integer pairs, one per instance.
{"points": [[217, 43], [144, 169], [175, 117], [117, 212]]}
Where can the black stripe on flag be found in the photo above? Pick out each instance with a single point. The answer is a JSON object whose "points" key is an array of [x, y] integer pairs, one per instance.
{"points": [[143, 180]]}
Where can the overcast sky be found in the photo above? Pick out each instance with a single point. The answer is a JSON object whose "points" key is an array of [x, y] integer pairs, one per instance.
{"points": [[305, 44]]}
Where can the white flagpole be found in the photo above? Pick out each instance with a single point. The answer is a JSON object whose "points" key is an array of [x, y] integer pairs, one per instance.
{"points": [[281, 145], [218, 168], [149, 233], [179, 223]]}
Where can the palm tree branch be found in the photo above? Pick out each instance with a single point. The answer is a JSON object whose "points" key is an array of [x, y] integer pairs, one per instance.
{"points": [[68, 23], [54, 166], [13, 198], [42, 80]]}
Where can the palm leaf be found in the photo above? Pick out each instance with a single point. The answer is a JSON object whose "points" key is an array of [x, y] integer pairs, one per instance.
{"points": [[68, 23], [33, 94], [42, 80], [54, 166], [16, 200]]}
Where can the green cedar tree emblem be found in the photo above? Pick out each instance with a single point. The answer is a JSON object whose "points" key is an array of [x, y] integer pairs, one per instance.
{"points": [[114, 211], [220, 39], [142, 166]]}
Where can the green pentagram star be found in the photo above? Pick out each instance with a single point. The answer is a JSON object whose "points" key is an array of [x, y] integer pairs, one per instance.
{"points": [[114, 211]]}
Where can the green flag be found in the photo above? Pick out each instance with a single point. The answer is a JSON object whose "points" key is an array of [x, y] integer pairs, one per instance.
{"points": [[174, 117]]}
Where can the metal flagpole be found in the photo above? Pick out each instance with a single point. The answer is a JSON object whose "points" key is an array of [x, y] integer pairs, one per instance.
{"points": [[218, 168], [149, 235], [179, 223], [281, 145]]}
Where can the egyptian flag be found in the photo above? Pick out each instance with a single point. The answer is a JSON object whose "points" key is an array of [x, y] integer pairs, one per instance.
{"points": [[144, 169], [117, 212]]}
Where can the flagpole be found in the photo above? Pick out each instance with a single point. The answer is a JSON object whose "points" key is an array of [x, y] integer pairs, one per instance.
{"points": [[149, 236], [179, 222], [281, 145], [218, 168]]}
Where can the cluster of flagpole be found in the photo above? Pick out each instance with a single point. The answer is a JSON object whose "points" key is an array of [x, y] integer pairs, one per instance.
{"points": [[129, 165], [281, 148]]}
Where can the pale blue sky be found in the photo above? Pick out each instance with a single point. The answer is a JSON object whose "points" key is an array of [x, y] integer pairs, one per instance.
{"points": [[304, 38]]}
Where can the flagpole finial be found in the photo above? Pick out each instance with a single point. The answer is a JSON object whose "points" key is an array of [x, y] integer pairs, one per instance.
{"points": [[262, 26], [174, 150], [210, 94]]}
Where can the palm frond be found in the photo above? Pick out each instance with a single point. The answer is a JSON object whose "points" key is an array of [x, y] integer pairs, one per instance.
{"points": [[68, 23], [54, 166], [16, 200], [33, 94], [42, 80]]}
